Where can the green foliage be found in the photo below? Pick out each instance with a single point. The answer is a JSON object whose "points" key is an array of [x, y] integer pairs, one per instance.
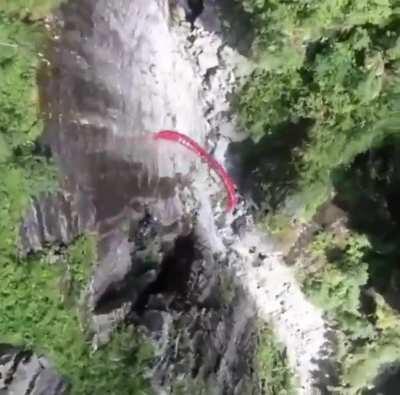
{"points": [[79, 258], [24, 174], [307, 20], [19, 124], [39, 314], [337, 287], [365, 342], [29, 9], [281, 229], [334, 63], [276, 378], [33, 314], [364, 365]]}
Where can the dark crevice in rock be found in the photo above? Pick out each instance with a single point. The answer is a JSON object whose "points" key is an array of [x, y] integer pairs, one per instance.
{"points": [[174, 273], [129, 289], [228, 19], [270, 164], [143, 232], [21, 357], [195, 7], [387, 382], [224, 333], [143, 249], [115, 296], [191, 302], [33, 382], [176, 267]]}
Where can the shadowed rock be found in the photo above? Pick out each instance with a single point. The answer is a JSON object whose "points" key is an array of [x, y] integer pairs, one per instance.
{"points": [[24, 373]]}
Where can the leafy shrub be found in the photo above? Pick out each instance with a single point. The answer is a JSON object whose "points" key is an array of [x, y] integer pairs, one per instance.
{"points": [[24, 173], [361, 367], [337, 287], [365, 343], [334, 63]]}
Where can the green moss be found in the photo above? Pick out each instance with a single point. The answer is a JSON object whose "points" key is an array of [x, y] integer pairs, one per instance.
{"points": [[32, 10], [281, 228], [272, 366], [79, 260]]}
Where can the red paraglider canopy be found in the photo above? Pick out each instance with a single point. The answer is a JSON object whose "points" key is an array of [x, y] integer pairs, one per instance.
{"points": [[202, 153]]}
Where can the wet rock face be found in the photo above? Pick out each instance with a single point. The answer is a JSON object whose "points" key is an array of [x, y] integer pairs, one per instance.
{"points": [[184, 298], [118, 72], [228, 20], [24, 373], [55, 219], [102, 93], [199, 319], [192, 8]]}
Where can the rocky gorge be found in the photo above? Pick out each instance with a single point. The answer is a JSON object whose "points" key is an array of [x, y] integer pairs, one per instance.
{"points": [[170, 260]]}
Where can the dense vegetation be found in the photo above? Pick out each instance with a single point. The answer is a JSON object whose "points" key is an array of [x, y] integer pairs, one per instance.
{"points": [[333, 65], [275, 377], [41, 296], [368, 335], [324, 99], [41, 309]]}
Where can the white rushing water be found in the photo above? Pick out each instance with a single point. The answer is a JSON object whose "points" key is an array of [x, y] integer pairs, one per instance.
{"points": [[296, 322]]}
